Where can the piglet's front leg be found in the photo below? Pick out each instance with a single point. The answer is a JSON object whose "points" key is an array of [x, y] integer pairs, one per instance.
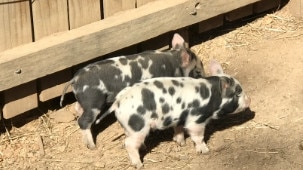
{"points": [[179, 135], [196, 133]]}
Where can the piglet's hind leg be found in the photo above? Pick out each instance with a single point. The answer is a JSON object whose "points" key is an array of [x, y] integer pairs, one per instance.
{"points": [[85, 122], [132, 145]]}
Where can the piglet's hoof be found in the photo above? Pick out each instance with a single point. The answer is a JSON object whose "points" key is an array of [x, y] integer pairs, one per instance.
{"points": [[180, 142], [91, 147], [202, 149], [139, 165]]}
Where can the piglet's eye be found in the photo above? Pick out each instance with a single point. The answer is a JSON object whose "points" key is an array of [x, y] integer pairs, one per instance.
{"points": [[238, 91]]}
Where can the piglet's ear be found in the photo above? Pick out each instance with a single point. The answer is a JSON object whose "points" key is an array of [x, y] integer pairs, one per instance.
{"points": [[225, 84], [185, 58], [177, 41], [215, 68]]}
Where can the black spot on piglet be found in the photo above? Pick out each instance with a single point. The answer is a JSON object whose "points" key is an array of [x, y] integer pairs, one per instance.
{"points": [[154, 115], [159, 84], [141, 110], [148, 98], [175, 82], [165, 108], [162, 100], [123, 61], [171, 91], [136, 122], [204, 91], [183, 117], [178, 100], [167, 121]]}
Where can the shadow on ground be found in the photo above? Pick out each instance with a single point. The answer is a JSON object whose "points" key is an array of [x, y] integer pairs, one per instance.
{"points": [[228, 122], [156, 137]]}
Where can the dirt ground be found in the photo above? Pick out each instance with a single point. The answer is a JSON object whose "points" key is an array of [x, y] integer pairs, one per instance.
{"points": [[265, 55]]}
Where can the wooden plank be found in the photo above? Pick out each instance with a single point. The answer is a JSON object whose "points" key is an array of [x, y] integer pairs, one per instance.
{"points": [[49, 17], [265, 5], [211, 23], [20, 99], [239, 13], [15, 27], [82, 12], [125, 51], [143, 2], [161, 42], [52, 85], [112, 7], [61, 51]]}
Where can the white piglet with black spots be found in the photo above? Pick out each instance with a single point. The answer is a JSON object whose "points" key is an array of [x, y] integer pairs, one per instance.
{"points": [[182, 103]]}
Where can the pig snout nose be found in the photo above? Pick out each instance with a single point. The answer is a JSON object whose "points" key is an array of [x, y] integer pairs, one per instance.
{"points": [[247, 100]]}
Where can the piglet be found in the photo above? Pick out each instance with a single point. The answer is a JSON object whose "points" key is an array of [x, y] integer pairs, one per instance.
{"points": [[181, 103]]}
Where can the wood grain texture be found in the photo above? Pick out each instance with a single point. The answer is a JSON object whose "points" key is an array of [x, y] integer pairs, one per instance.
{"points": [[239, 13], [112, 7], [265, 5], [20, 99], [82, 12], [15, 24], [52, 86], [49, 16], [161, 42], [211, 23], [55, 53], [143, 2]]}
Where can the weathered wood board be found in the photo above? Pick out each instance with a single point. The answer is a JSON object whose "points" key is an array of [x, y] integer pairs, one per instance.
{"points": [[265, 5], [161, 42], [239, 13], [15, 23], [52, 86], [112, 7], [61, 51], [211, 23], [49, 17], [15, 30], [143, 2], [82, 12], [20, 99]]}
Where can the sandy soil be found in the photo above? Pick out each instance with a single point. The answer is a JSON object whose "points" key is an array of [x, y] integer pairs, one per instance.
{"points": [[265, 55]]}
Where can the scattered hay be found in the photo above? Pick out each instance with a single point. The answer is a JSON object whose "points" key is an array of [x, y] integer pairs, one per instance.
{"points": [[279, 25]]}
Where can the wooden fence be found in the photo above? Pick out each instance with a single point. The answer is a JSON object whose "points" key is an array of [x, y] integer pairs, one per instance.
{"points": [[42, 42]]}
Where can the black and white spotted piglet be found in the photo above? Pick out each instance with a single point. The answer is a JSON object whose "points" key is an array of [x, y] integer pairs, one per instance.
{"points": [[187, 103], [96, 85]]}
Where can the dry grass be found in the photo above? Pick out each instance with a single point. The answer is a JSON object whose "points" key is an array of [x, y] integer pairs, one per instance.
{"points": [[279, 25]]}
